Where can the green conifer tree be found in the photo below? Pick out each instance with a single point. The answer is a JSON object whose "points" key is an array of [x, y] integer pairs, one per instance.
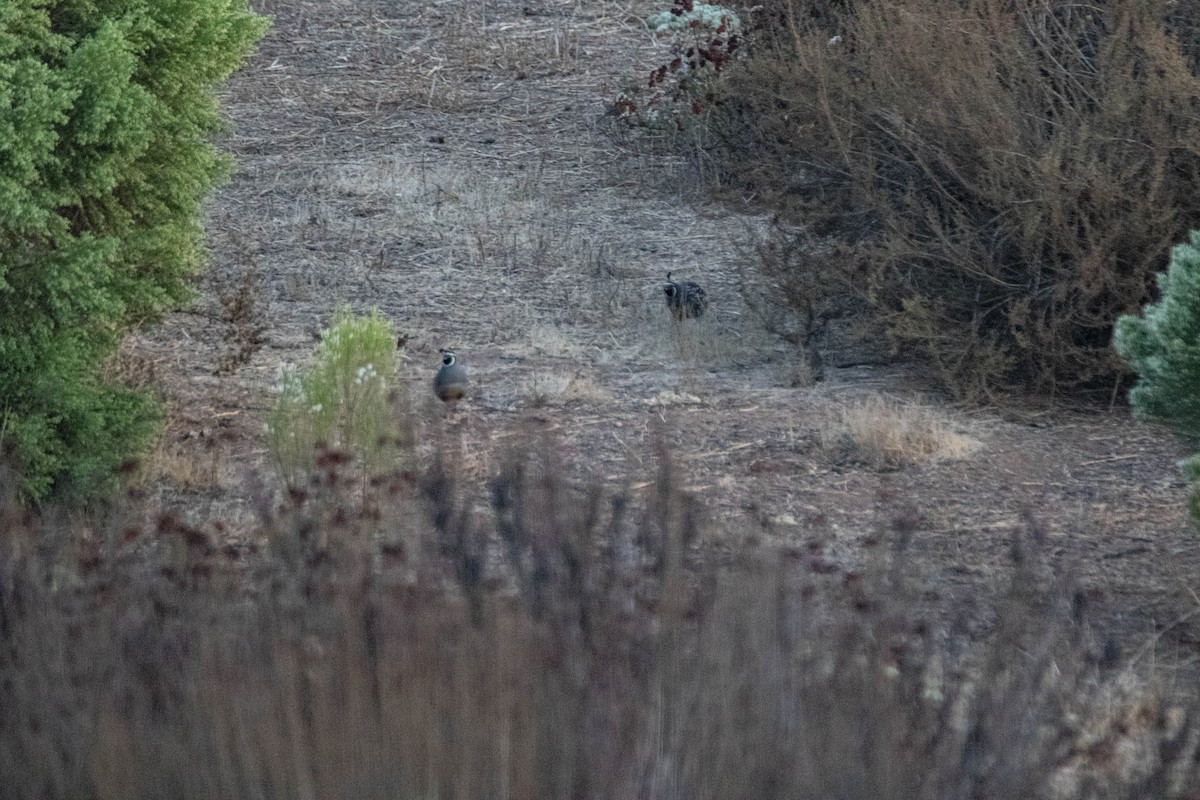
{"points": [[107, 110], [1163, 346]]}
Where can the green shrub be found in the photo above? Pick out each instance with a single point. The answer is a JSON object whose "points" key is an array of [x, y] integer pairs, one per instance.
{"points": [[1003, 177], [1163, 346], [348, 400], [106, 115]]}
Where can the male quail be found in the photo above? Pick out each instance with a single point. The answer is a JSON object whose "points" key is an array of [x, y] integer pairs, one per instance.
{"points": [[450, 384], [686, 300]]}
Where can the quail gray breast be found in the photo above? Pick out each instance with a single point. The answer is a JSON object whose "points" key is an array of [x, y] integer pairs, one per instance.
{"points": [[686, 300], [450, 383]]}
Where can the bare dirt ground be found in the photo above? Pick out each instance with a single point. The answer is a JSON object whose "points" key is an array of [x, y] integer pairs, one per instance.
{"points": [[445, 162]]}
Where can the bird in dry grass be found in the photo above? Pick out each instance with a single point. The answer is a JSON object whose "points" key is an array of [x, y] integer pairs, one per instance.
{"points": [[686, 300], [450, 383]]}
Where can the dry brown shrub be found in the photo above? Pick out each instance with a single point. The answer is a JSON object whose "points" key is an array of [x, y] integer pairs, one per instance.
{"points": [[1006, 177]]}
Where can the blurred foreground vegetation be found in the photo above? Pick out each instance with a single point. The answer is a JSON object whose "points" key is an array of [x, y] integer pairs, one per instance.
{"points": [[554, 640]]}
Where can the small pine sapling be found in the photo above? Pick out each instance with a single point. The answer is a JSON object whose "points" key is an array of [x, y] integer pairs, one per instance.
{"points": [[1163, 347]]}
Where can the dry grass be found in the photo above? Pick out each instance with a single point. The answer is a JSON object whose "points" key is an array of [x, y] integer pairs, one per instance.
{"points": [[552, 341], [543, 388], [670, 397], [719, 340], [883, 433], [187, 469], [798, 369], [343, 195], [387, 160]]}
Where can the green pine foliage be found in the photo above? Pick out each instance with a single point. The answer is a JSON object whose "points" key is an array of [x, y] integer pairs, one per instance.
{"points": [[107, 112], [1163, 346]]}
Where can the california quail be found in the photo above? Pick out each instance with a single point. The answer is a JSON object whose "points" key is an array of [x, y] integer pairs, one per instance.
{"points": [[450, 384], [686, 300]]}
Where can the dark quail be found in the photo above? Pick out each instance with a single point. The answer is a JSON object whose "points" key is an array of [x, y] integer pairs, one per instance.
{"points": [[686, 300], [450, 384]]}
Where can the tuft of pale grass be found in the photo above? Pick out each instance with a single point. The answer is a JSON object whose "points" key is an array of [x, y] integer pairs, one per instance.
{"points": [[184, 468], [670, 397], [725, 336], [884, 433], [586, 388], [799, 369], [695, 342], [551, 340], [544, 388]]}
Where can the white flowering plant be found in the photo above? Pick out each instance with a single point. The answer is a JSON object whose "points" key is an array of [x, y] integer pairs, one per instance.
{"points": [[347, 401]]}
